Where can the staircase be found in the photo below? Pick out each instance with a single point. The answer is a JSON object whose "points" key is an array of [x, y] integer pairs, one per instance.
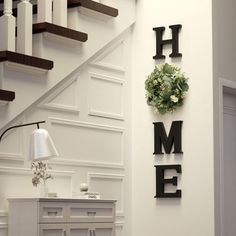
{"points": [[63, 36]]}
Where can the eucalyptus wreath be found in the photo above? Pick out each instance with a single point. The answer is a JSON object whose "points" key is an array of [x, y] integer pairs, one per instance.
{"points": [[166, 88]]}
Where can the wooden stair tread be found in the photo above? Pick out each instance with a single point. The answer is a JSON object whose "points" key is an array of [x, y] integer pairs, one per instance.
{"points": [[7, 96], [89, 4], [26, 60], [95, 6], [59, 30]]}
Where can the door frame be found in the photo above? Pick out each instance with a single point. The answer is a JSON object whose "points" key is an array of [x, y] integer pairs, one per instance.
{"points": [[223, 85]]}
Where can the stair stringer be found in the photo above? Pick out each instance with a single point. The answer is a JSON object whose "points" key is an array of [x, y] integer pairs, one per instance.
{"points": [[30, 87]]}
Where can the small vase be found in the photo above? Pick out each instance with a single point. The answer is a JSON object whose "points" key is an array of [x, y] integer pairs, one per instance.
{"points": [[43, 190]]}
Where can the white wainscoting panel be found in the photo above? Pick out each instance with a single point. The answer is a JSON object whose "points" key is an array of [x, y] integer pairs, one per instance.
{"points": [[3, 223], [11, 148], [112, 58], [16, 182], [64, 98], [111, 186], [88, 142], [119, 228], [106, 96]]}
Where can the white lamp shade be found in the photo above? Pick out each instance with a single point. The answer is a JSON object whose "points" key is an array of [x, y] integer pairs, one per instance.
{"points": [[41, 146]]}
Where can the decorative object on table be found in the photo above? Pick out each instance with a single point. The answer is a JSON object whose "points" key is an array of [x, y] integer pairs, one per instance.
{"points": [[41, 148], [84, 187], [166, 88], [41, 176], [85, 194]]}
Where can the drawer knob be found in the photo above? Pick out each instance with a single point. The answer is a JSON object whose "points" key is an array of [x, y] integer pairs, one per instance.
{"points": [[91, 213], [52, 213]]}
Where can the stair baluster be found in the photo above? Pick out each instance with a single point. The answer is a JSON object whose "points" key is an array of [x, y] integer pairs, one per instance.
{"points": [[7, 28], [24, 27], [44, 11], [60, 12]]}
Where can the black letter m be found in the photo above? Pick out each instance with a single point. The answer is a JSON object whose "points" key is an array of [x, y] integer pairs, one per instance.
{"points": [[174, 137]]}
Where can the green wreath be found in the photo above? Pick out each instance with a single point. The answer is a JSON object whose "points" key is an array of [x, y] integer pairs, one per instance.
{"points": [[166, 88]]}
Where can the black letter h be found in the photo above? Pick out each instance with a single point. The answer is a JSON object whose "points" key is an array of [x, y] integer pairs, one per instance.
{"points": [[174, 41]]}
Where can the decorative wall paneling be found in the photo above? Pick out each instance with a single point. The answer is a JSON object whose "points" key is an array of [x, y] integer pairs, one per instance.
{"points": [[112, 59], [16, 182], [97, 145], [12, 145], [105, 95], [3, 223], [112, 187], [64, 99]]}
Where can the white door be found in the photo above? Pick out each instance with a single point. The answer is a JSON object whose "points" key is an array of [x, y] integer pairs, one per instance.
{"points": [[228, 165]]}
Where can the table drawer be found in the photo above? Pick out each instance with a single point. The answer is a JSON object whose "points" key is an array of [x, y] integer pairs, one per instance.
{"points": [[85, 212], [52, 212]]}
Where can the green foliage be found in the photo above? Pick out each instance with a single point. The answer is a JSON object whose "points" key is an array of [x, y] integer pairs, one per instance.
{"points": [[166, 88]]}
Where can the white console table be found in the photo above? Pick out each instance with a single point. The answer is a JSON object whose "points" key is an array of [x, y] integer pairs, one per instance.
{"points": [[61, 217]]}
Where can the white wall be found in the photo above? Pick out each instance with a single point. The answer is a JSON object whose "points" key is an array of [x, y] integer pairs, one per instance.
{"points": [[193, 214]]}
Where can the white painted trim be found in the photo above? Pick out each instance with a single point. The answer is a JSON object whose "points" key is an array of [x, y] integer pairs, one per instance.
{"points": [[92, 175], [60, 107], [109, 79], [229, 84], [105, 115], [62, 40], [119, 224], [3, 103], [81, 163], [3, 226], [109, 66], [92, 126], [47, 104], [103, 77], [3, 217], [28, 171], [3, 213], [11, 157], [61, 121]]}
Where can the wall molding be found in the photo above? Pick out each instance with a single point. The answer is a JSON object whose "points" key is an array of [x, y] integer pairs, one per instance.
{"points": [[19, 155], [109, 66], [100, 164], [3, 226], [82, 163], [3, 219], [28, 171], [12, 157], [61, 121], [92, 175], [47, 104], [108, 79]]}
